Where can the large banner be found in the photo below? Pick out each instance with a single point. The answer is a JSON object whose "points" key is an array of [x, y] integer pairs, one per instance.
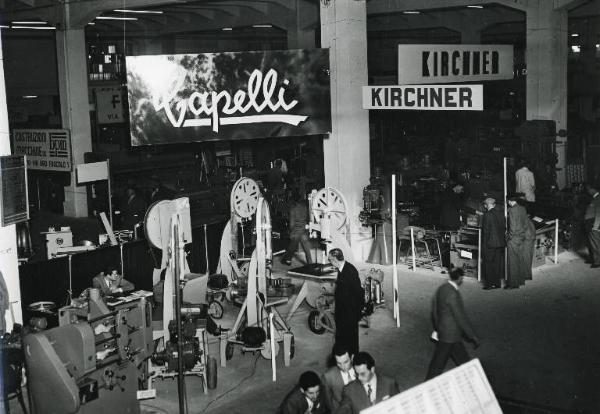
{"points": [[222, 96], [424, 97], [46, 149], [454, 63]]}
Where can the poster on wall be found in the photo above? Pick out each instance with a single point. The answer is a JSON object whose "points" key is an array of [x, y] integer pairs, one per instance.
{"points": [[46, 149], [454, 63], [228, 96]]}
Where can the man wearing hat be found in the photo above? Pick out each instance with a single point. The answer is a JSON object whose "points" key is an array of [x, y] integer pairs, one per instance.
{"points": [[493, 228], [520, 242]]}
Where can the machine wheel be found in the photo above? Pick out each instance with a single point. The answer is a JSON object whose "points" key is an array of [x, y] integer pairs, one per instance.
{"points": [[266, 350], [229, 351], [316, 320], [215, 309]]}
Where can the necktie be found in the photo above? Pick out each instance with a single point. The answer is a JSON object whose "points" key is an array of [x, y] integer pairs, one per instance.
{"points": [[369, 393]]}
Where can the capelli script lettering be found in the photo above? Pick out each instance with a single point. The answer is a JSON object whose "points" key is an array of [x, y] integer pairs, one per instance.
{"points": [[220, 108]]}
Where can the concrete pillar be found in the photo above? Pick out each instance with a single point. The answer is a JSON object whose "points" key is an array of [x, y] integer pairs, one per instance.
{"points": [[8, 238], [546, 58], [346, 150], [74, 103], [302, 34]]}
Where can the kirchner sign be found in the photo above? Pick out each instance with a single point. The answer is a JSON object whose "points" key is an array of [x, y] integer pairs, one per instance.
{"points": [[222, 96], [454, 63], [424, 97]]}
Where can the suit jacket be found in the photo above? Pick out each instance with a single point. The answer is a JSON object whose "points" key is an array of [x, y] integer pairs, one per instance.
{"points": [[99, 282], [295, 403], [493, 228], [349, 296], [333, 386], [449, 317], [592, 214], [520, 228], [354, 396]]}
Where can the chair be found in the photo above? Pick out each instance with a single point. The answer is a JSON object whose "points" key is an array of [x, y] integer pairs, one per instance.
{"points": [[12, 376]]}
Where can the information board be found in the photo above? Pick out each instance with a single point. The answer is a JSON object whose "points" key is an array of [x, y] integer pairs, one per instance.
{"points": [[46, 149], [463, 390], [424, 97], [13, 189]]}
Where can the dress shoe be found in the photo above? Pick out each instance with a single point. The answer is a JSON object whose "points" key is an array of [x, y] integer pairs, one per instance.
{"points": [[286, 262], [490, 287]]}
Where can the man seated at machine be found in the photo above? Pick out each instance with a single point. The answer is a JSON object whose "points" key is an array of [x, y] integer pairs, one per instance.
{"points": [[110, 282]]}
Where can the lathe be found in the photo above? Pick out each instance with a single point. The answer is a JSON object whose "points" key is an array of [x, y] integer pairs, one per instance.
{"points": [[95, 361]]}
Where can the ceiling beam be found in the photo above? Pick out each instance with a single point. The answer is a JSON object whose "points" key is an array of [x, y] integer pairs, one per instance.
{"points": [[394, 6], [568, 4]]}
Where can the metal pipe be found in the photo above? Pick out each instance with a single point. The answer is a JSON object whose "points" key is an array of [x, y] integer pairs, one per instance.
{"points": [[177, 291], [105, 340]]}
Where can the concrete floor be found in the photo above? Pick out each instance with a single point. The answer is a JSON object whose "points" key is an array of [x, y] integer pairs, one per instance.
{"points": [[539, 345]]}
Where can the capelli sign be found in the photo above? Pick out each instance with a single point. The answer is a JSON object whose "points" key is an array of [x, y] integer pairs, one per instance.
{"points": [[220, 96]]}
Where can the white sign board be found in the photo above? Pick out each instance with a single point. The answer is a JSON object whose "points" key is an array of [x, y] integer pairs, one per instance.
{"points": [[93, 171], [454, 63], [46, 149], [424, 97], [463, 390], [109, 105]]}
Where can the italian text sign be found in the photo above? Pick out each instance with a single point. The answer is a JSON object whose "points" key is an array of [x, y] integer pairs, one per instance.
{"points": [[424, 97], [222, 96], [454, 63], [46, 149]]}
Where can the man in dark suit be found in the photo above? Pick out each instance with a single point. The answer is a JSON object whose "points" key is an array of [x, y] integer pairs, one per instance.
{"points": [[336, 378], [451, 325], [493, 230], [305, 398], [349, 301], [368, 389], [592, 226], [110, 282]]}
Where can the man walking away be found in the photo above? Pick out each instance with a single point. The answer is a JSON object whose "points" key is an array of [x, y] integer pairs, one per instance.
{"points": [[451, 325]]}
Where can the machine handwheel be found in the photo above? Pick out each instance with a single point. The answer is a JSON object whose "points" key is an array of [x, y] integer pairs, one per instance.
{"points": [[266, 350], [330, 202], [316, 320], [215, 309], [229, 351], [244, 197]]}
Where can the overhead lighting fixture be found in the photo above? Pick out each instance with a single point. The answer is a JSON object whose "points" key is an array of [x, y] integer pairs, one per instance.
{"points": [[30, 22], [576, 48], [474, 6], [264, 26], [115, 18], [91, 23], [29, 96], [574, 34], [597, 45], [34, 27], [4, 27], [227, 29], [139, 11], [411, 12]]}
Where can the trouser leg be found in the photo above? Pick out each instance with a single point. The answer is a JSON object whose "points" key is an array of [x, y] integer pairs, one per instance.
{"points": [[440, 358]]}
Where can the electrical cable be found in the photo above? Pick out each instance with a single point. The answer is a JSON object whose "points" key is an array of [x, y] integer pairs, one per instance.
{"points": [[217, 398]]}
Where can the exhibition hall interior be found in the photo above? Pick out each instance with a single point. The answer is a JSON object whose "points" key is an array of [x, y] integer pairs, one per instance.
{"points": [[300, 206]]}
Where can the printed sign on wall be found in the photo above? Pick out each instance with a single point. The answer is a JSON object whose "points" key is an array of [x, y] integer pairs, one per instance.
{"points": [[109, 105], [46, 149], [454, 63], [424, 97], [222, 96]]}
